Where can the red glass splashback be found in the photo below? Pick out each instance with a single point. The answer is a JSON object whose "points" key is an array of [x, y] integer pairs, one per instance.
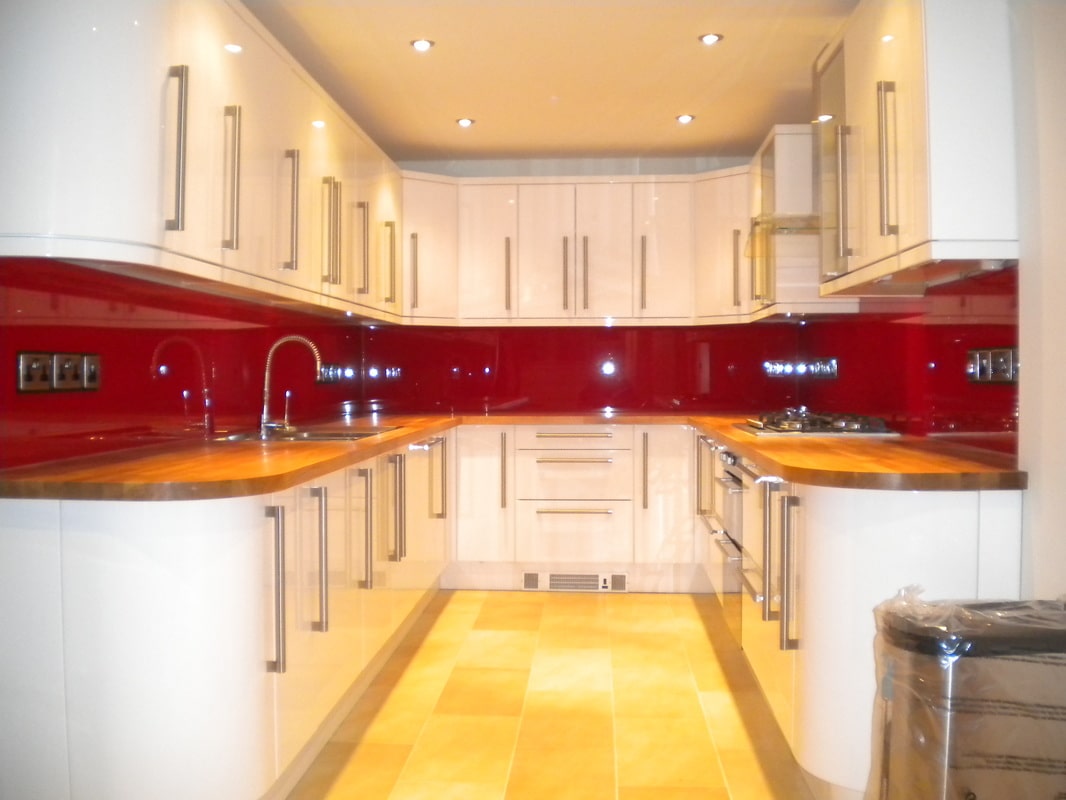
{"points": [[908, 368]]}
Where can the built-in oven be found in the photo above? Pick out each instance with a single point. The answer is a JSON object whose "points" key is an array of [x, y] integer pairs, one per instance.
{"points": [[720, 504]]}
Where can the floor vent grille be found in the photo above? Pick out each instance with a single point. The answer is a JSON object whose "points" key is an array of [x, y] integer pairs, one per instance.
{"points": [[575, 582]]}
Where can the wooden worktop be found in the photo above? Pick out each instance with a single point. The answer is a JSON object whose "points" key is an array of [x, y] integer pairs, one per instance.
{"points": [[198, 469]]}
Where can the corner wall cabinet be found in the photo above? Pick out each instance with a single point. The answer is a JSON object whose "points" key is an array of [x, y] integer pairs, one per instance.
{"points": [[906, 174]]}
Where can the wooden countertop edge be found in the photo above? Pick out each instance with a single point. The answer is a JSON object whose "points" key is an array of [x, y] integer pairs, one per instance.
{"points": [[275, 466]]}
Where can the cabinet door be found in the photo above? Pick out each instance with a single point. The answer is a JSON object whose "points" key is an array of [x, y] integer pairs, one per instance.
{"points": [[547, 277], [488, 241], [723, 217], [604, 238], [877, 117], [430, 248], [384, 188], [662, 238], [426, 509], [769, 634], [484, 493], [663, 496], [831, 163]]}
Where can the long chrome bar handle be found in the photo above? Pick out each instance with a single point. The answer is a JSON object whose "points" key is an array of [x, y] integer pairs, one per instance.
{"points": [[643, 272], [322, 493], [700, 510], [645, 470], [364, 214], [328, 251], [294, 212], [600, 511], [368, 526], [566, 273], [585, 271], [575, 460], [503, 469], [181, 72], [401, 504], [736, 267], [788, 567], [583, 435], [337, 214], [768, 613], [507, 273], [753, 260], [843, 246], [234, 222], [430, 445], [414, 271], [884, 89], [390, 227], [277, 513]]}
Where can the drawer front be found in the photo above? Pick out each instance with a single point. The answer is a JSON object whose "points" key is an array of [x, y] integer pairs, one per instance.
{"points": [[571, 437], [574, 474], [584, 532]]}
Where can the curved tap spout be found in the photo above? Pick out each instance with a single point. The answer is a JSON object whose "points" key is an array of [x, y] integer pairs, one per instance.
{"points": [[265, 423], [159, 369]]}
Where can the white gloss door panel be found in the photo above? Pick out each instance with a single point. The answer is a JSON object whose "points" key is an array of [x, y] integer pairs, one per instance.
{"points": [[167, 690], [574, 474], [592, 532], [33, 739]]}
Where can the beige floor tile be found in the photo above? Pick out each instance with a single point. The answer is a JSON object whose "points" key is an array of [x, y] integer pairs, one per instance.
{"points": [[463, 749], [475, 690], [439, 790], [566, 720], [571, 669], [586, 773], [666, 751], [672, 793], [498, 649], [367, 772]]}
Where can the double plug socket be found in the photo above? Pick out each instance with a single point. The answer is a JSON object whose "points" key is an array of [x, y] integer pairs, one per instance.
{"points": [[58, 372]]}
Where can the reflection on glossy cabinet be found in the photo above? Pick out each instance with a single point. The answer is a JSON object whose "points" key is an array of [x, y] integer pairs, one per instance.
{"points": [[488, 251], [430, 246], [663, 246], [484, 493], [663, 495], [722, 218]]}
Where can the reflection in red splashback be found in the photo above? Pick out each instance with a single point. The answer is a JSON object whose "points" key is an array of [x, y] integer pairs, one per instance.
{"points": [[909, 369], [482, 370]]}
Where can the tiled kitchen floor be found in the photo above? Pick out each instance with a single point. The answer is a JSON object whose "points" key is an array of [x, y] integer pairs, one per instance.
{"points": [[522, 695]]}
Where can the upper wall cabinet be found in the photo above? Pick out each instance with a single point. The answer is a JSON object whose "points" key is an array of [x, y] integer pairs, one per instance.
{"points": [[918, 185], [488, 240], [663, 259], [430, 247], [722, 203]]}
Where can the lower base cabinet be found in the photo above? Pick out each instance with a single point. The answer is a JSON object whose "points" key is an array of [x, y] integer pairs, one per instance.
{"points": [[192, 648]]}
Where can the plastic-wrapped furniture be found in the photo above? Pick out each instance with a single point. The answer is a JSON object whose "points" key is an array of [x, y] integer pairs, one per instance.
{"points": [[972, 701]]}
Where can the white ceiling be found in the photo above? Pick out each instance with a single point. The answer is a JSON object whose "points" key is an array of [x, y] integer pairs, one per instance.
{"points": [[558, 78]]}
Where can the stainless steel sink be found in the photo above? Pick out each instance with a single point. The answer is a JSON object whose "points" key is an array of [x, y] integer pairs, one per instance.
{"points": [[324, 435]]}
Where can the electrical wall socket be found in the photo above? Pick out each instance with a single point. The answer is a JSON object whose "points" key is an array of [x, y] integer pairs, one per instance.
{"points": [[66, 371], [35, 372], [58, 372]]}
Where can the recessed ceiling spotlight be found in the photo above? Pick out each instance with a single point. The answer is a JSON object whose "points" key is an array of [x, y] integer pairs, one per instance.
{"points": [[232, 48], [422, 45], [318, 123], [711, 38], [685, 119], [465, 122]]}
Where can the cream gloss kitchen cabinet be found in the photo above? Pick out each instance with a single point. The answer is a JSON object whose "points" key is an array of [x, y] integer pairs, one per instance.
{"points": [[663, 257], [575, 250], [430, 257], [920, 78], [484, 495], [662, 494], [722, 210], [488, 251]]}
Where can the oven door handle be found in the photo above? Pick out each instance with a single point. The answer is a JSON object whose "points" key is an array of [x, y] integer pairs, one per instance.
{"points": [[731, 486]]}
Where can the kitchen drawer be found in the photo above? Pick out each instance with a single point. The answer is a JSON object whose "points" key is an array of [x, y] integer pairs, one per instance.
{"points": [[589, 532], [551, 437], [574, 474]]}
